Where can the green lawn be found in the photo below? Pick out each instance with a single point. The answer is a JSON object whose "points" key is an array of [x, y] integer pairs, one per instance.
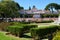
{"points": [[42, 24], [3, 36]]}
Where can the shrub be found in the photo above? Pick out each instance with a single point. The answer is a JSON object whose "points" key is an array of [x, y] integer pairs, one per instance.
{"points": [[58, 27], [3, 25], [28, 27], [49, 15], [57, 38], [42, 31], [45, 21], [20, 29], [16, 30]]}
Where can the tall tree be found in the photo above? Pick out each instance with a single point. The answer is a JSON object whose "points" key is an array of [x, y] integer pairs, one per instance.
{"points": [[57, 7], [52, 6], [19, 7], [29, 8], [9, 8]]}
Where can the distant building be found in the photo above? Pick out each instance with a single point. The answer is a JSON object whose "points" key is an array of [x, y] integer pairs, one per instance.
{"points": [[35, 12]]}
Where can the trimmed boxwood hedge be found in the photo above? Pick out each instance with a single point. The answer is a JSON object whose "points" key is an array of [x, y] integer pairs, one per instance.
{"points": [[45, 21], [20, 30], [42, 31]]}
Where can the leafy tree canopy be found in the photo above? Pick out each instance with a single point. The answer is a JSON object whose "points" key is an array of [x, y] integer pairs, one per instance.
{"points": [[52, 6], [9, 8]]}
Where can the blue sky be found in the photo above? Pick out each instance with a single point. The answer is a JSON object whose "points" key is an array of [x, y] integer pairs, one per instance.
{"points": [[40, 4]]}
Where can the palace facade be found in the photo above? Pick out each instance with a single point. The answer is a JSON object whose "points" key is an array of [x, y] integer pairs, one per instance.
{"points": [[34, 12]]}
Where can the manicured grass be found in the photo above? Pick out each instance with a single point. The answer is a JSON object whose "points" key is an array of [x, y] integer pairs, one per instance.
{"points": [[3, 36], [42, 24]]}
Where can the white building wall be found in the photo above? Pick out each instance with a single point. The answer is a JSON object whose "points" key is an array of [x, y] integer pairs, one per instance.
{"points": [[36, 16]]}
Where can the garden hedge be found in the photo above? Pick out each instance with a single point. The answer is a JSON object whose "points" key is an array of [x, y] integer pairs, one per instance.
{"points": [[20, 30], [49, 15], [42, 31], [45, 21]]}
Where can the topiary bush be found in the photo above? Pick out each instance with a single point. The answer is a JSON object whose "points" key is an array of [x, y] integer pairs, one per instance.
{"points": [[28, 27], [16, 30], [42, 31], [20, 29]]}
